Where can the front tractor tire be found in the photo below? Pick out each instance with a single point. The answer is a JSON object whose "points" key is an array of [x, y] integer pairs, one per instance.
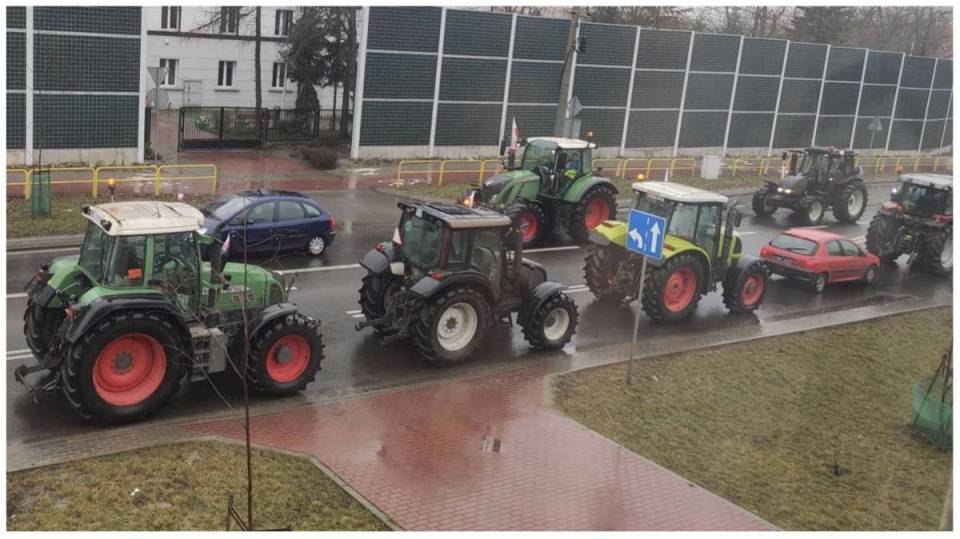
{"points": [[597, 206], [125, 368], [376, 291], [553, 324], [744, 290], [530, 221], [935, 255], [882, 237], [761, 203], [600, 271], [285, 355], [451, 326], [813, 214], [851, 202], [673, 290], [39, 324]]}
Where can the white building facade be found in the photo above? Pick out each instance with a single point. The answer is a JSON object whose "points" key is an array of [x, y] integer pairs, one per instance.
{"points": [[207, 56]]}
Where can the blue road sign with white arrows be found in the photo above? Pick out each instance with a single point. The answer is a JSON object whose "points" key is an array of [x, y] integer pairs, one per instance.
{"points": [[645, 233]]}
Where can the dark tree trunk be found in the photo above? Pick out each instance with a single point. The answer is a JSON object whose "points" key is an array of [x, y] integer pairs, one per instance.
{"points": [[350, 74]]}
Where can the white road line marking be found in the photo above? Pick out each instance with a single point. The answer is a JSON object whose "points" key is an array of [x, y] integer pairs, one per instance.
{"points": [[17, 296], [748, 233], [357, 315], [550, 249], [18, 352], [357, 311], [577, 290], [312, 270]]}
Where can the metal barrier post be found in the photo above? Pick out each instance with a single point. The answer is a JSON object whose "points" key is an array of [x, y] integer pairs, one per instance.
{"points": [[27, 178], [647, 175], [443, 166], [216, 174], [96, 178], [156, 182]]}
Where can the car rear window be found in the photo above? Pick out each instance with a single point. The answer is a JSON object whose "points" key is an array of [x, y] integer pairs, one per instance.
{"points": [[794, 244]]}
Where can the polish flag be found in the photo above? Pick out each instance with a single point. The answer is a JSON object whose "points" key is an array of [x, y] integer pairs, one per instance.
{"points": [[514, 137]]}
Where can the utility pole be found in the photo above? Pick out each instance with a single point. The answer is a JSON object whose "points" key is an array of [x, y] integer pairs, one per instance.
{"points": [[565, 80]]}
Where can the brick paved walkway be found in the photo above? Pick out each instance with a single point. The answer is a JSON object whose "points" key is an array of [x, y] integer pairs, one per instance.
{"points": [[486, 454]]}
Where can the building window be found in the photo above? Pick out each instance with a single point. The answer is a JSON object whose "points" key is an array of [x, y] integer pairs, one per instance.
{"points": [[170, 17], [168, 72], [229, 20], [279, 74], [225, 75], [281, 26]]}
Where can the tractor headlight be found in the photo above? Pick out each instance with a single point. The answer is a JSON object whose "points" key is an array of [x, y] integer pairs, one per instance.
{"points": [[788, 191], [203, 231], [779, 189]]}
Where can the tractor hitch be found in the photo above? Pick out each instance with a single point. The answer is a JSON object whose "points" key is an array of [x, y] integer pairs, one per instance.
{"points": [[48, 382]]}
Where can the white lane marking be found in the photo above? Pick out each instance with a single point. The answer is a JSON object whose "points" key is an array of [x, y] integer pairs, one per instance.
{"points": [[550, 249], [323, 268], [356, 315], [748, 233], [37, 251], [357, 311], [17, 296]]}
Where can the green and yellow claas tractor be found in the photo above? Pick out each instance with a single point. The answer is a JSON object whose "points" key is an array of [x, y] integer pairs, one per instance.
{"points": [[118, 328], [700, 250], [554, 189]]}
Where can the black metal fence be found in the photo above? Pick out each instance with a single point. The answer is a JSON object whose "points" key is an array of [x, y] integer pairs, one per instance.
{"points": [[236, 127]]}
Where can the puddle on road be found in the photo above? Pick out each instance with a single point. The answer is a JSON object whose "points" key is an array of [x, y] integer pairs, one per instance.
{"points": [[881, 299]]}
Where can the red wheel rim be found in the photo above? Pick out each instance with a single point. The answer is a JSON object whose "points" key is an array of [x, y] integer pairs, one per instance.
{"points": [[288, 358], [129, 369], [680, 288], [752, 289], [597, 212], [528, 225]]}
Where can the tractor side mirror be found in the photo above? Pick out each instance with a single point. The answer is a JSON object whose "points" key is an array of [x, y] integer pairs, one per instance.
{"points": [[737, 218], [793, 164], [503, 146], [223, 254]]}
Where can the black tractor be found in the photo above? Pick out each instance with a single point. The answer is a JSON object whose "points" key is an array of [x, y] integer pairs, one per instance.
{"points": [[824, 178], [450, 273], [918, 221]]}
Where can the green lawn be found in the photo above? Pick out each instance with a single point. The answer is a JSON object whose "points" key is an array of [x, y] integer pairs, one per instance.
{"points": [[181, 487], [759, 422], [66, 217]]}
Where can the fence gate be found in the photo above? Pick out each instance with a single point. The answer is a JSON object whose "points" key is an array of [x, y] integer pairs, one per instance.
{"points": [[217, 127]]}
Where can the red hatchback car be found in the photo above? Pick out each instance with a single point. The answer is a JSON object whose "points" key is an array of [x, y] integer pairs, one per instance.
{"points": [[819, 257]]}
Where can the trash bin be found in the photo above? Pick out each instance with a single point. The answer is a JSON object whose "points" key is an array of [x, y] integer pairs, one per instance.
{"points": [[40, 193], [710, 167]]}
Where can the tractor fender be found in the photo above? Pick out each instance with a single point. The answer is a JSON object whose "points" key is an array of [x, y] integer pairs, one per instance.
{"points": [[377, 261], [599, 239], [609, 232], [535, 299], [849, 180], [427, 286], [41, 295], [270, 314], [100, 309], [584, 185], [746, 261]]}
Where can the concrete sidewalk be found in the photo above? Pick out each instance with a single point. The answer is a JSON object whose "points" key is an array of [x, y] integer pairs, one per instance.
{"points": [[487, 454]]}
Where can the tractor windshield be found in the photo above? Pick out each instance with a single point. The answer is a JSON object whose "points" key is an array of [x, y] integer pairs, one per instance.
{"points": [[421, 240], [923, 200], [95, 250], [538, 153], [113, 260], [656, 206]]}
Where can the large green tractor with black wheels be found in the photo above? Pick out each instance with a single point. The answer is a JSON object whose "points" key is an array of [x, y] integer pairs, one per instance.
{"points": [[825, 178], [449, 275], [118, 328], [554, 189], [700, 251]]}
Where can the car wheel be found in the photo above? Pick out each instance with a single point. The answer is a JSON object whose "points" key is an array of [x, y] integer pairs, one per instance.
{"points": [[870, 275], [820, 283], [316, 246]]}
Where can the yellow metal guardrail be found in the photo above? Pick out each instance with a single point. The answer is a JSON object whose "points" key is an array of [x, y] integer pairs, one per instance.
{"points": [[95, 176]]}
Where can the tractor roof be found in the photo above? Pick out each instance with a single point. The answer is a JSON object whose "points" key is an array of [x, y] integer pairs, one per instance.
{"points": [[144, 217], [565, 143], [457, 216], [936, 181], [679, 192], [823, 150]]}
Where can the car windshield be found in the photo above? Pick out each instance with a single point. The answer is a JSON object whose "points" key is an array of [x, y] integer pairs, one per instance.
{"points": [[95, 250], [794, 244], [421, 240], [224, 207], [922, 200], [538, 152]]}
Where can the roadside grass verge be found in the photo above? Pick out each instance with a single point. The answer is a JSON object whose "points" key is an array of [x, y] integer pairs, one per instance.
{"points": [[759, 422], [65, 217], [181, 487]]}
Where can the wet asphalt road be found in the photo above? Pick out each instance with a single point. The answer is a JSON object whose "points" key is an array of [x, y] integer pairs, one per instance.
{"points": [[326, 288]]}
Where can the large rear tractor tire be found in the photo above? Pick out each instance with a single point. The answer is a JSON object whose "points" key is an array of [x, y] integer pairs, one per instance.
{"points": [[375, 292], [554, 323], [882, 236], [599, 204], [744, 290], [600, 271], [39, 324], [936, 252], [125, 368], [761, 204], [851, 202], [451, 326], [673, 290], [285, 355], [530, 221]]}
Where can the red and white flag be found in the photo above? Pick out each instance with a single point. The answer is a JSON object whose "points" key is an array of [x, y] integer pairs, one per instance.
{"points": [[514, 137]]}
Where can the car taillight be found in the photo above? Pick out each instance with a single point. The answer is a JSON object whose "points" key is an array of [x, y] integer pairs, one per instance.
{"points": [[378, 247], [940, 218], [765, 251], [436, 275], [333, 223]]}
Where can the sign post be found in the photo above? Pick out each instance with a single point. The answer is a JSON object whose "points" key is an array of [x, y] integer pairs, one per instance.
{"points": [[645, 233], [875, 125]]}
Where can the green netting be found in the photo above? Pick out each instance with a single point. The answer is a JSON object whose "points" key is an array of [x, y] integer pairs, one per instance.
{"points": [[933, 411]]}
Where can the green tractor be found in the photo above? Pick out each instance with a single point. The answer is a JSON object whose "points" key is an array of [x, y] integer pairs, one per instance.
{"points": [[700, 250], [450, 274], [554, 189], [118, 328]]}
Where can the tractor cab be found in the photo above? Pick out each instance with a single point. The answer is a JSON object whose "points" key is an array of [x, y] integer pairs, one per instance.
{"points": [[558, 162], [924, 195], [820, 165]]}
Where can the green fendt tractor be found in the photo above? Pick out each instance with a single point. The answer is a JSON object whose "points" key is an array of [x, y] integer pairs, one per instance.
{"points": [[825, 178], [452, 272], [119, 327], [555, 188], [700, 250]]}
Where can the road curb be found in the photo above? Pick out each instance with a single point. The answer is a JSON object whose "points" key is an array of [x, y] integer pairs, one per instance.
{"points": [[44, 242]]}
